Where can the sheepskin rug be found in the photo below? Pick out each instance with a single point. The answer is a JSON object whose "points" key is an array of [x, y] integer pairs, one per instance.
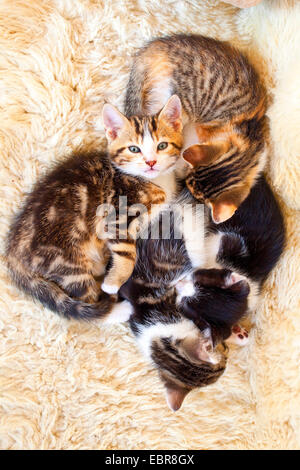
{"points": [[66, 385]]}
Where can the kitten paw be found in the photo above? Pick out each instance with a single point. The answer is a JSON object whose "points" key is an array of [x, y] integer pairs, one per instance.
{"points": [[109, 288], [185, 288], [120, 313], [238, 336]]}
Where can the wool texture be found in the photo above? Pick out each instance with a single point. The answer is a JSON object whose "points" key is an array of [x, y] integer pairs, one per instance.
{"points": [[68, 385]]}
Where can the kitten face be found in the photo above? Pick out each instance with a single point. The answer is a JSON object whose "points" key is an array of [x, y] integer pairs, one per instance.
{"points": [[147, 146], [184, 356]]}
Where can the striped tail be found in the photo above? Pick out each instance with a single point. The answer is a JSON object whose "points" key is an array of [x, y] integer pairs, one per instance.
{"points": [[54, 298]]}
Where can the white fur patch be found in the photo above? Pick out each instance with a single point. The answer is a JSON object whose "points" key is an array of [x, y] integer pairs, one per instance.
{"points": [[185, 288], [168, 183], [109, 288], [193, 231], [212, 246], [120, 313], [163, 330], [148, 147], [160, 94]]}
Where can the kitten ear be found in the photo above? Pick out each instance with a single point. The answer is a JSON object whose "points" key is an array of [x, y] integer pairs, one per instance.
{"points": [[175, 396], [171, 113], [203, 154], [237, 283], [227, 203], [200, 349], [222, 211], [233, 278], [114, 121], [205, 350]]}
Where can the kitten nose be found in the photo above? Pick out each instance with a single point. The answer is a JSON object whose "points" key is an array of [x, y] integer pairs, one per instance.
{"points": [[151, 163]]}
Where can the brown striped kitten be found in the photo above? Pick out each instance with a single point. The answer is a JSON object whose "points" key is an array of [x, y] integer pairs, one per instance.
{"points": [[57, 247], [224, 105]]}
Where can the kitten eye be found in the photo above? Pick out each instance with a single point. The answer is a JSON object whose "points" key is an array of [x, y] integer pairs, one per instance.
{"points": [[162, 146], [134, 149]]}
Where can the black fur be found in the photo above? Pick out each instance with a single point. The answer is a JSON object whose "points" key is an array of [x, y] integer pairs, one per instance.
{"points": [[259, 223], [252, 243]]}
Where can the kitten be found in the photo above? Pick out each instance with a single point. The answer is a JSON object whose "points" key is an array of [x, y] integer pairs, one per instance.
{"points": [[180, 348], [181, 328], [57, 247], [250, 244], [224, 104]]}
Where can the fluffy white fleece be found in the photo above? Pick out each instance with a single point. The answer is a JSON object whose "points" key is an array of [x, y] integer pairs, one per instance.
{"points": [[65, 385]]}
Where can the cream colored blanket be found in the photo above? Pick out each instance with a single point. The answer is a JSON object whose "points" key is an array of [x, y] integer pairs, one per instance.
{"points": [[65, 385]]}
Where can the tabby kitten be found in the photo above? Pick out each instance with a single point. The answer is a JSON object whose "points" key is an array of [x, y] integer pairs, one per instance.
{"points": [[57, 247], [224, 104]]}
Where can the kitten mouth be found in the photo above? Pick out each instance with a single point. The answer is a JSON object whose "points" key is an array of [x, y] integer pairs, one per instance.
{"points": [[152, 172]]}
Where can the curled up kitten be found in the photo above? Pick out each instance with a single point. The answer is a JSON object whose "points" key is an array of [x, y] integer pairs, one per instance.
{"points": [[223, 104], [181, 348], [182, 317], [57, 248]]}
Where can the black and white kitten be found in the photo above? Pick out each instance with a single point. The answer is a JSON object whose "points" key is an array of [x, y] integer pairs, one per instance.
{"points": [[181, 348], [181, 327], [249, 243]]}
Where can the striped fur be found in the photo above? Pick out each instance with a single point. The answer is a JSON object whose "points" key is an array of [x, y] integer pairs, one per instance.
{"points": [[240, 253], [224, 104], [174, 344], [55, 248]]}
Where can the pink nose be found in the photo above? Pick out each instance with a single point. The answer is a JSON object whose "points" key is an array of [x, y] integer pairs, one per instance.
{"points": [[151, 163]]}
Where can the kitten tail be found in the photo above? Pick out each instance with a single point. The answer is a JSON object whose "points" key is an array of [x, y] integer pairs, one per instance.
{"points": [[54, 298]]}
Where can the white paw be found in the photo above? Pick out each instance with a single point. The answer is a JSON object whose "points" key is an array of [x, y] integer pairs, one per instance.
{"points": [[185, 288], [109, 288], [120, 313], [238, 336]]}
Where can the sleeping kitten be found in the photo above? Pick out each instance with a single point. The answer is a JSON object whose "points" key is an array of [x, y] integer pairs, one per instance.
{"points": [[57, 247], [181, 326], [223, 103], [181, 348]]}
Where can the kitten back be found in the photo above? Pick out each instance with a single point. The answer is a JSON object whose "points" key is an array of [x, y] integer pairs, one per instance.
{"points": [[224, 102]]}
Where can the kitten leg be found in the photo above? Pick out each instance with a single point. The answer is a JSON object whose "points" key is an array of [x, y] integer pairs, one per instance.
{"points": [[123, 261], [238, 336], [193, 232], [124, 251]]}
